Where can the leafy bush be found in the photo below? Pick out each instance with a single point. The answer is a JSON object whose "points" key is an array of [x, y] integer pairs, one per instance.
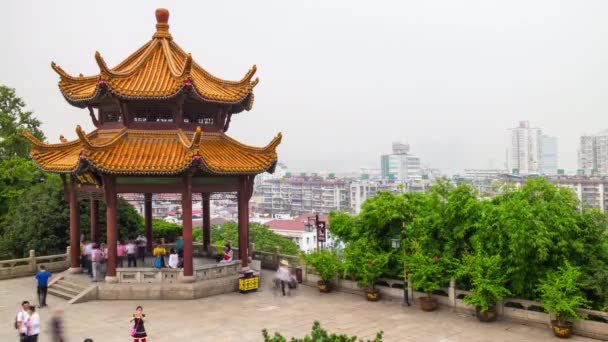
{"points": [[318, 334], [561, 293], [427, 273], [366, 263], [487, 278], [326, 262], [167, 230], [264, 239]]}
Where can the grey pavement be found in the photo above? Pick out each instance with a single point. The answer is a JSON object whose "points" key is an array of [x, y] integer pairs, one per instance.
{"points": [[241, 317]]}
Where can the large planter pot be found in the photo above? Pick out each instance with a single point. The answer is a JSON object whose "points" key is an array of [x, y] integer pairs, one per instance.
{"points": [[428, 304], [324, 286], [562, 331], [372, 295], [487, 316]]}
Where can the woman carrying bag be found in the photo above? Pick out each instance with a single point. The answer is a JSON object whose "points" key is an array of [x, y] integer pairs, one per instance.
{"points": [[138, 332]]}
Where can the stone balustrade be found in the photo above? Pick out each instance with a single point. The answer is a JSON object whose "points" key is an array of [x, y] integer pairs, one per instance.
{"points": [[521, 310], [15, 268], [150, 275]]}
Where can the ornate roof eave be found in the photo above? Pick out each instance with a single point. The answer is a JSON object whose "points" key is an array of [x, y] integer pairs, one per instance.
{"points": [[84, 147]]}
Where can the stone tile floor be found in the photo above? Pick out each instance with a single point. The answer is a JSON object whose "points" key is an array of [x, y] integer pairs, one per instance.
{"points": [[241, 317]]}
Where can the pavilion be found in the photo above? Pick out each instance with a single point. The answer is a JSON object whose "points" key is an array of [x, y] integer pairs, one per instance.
{"points": [[161, 123]]}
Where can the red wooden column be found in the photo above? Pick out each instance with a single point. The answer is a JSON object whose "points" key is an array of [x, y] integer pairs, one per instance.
{"points": [[206, 222], [187, 228], [148, 220], [94, 206], [111, 210], [243, 196], [74, 228]]}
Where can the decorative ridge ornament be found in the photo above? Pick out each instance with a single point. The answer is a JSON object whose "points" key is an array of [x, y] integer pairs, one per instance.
{"points": [[162, 24]]}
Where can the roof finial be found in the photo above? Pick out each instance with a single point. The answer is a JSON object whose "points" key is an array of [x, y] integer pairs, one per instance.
{"points": [[162, 23]]}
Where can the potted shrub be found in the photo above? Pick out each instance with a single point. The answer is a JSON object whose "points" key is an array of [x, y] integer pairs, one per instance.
{"points": [[488, 284], [327, 264], [366, 264], [561, 295], [426, 273]]}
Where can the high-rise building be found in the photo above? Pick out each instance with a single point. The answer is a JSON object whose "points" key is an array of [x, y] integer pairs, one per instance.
{"points": [[591, 191], [526, 149], [549, 155], [593, 154], [296, 195], [363, 189], [401, 165]]}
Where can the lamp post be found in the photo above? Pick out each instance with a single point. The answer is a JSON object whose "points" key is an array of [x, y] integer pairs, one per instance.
{"points": [[396, 244]]}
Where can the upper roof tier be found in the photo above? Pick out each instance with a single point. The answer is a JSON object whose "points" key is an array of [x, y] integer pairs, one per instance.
{"points": [[158, 70]]}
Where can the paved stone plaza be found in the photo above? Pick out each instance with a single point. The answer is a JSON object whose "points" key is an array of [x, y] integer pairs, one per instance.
{"points": [[239, 317]]}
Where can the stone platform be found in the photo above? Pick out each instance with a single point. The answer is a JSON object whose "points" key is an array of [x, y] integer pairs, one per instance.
{"points": [[241, 317]]}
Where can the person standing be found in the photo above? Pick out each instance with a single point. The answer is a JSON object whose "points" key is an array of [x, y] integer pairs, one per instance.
{"points": [[131, 259], [32, 325], [42, 277], [179, 245], [57, 326], [141, 248], [121, 253], [284, 276], [159, 254], [20, 319], [138, 332], [88, 252], [96, 260]]}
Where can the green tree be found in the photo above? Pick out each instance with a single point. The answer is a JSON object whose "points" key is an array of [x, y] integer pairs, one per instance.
{"points": [[39, 220], [263, 238], [561, 293], [17, 175], [13, 119]]}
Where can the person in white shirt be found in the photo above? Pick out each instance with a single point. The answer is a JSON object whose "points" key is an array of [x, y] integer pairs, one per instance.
{"points": [[283, 276], [32, 324], [21, 317], [131, 258], [88, 251], [173, 258]]}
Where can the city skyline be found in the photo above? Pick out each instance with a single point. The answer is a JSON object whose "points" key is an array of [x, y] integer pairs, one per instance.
{"points": [[450, 90]]}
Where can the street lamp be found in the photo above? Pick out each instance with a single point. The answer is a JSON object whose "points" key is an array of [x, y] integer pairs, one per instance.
{"points": [[396, 244]]}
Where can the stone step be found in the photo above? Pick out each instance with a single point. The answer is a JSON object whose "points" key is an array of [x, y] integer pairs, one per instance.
{"points": [[71, 285], [66, 288], [59, 293]]}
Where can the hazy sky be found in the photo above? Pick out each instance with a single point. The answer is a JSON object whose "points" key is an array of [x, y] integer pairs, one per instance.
{"points": [[344, 79]]}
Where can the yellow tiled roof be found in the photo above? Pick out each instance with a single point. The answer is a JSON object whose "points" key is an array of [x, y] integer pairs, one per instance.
{"points": [[128, 151], [158, 69]]}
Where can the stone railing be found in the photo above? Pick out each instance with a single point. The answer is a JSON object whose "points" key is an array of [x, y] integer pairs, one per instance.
{"points": [[198, 249], [525, 311], [15, 268], [271, 260], [149, 275]]}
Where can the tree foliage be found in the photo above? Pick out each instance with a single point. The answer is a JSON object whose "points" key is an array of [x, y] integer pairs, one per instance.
{"points": [[14, 119], [534, 228], [487, 277], [263, 238], [318, 334], [561, 294], [325, 262], [365, 262]]}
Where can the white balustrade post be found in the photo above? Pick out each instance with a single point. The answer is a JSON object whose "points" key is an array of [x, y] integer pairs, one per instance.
{"points": [[32, 260], [67, 256], [452, 293]]}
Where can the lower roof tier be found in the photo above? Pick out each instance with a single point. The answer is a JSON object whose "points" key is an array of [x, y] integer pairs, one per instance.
{"points": [[158, 152]]}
